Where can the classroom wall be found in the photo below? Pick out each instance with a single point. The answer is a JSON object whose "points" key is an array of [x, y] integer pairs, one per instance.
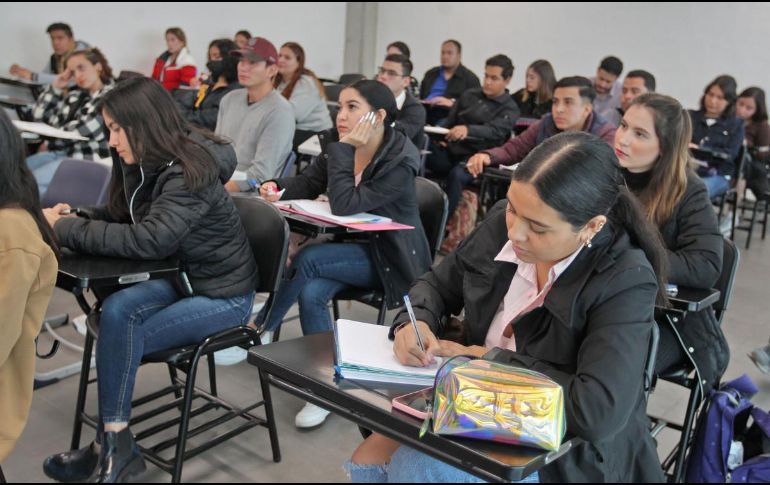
{"points": [[685, 45], [132, 34]]}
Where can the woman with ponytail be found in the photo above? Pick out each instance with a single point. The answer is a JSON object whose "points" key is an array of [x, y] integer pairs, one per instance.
{"points": [[28, 267], [652, 147], [371, 169], [562, 278]]}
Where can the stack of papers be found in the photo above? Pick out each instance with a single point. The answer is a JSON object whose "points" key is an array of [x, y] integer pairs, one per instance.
{"points": [[365, 353], [322, 210]]}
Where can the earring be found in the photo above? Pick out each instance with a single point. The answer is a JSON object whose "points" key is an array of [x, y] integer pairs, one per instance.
{"points": [[588, 244]]}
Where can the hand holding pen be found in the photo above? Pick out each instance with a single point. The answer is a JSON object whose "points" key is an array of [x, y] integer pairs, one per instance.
{"points": [[415, 344]]}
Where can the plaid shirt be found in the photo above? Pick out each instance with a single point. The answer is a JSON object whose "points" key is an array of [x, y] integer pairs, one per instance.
{"points": [[74, 111]]}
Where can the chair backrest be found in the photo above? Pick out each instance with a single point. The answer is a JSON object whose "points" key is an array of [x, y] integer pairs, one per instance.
{"points": [[350, 78], [78, 183], [434, 208], [289, 164], [268, 235], [332, 92], [730, 261]]}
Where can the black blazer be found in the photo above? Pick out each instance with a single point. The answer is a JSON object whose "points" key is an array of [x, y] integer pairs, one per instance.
{"points": [[387, 188], [411, 119], [591, 336]]}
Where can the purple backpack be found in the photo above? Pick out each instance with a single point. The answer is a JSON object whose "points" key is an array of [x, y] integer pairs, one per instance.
{"points": [[727, 421]]}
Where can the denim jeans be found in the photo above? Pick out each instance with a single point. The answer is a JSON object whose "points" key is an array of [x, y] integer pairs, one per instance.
{"points": [[150, 317], [317, 274], [716, 185], [411, 466], [43, 165]]}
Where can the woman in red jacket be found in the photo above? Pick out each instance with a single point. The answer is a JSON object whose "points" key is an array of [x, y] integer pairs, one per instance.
{"points": [[176, 66]]}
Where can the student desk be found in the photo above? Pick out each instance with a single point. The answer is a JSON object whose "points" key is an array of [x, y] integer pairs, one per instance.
{"points": [[79, 273], [305, 368], [694, 299], [492, 177]]}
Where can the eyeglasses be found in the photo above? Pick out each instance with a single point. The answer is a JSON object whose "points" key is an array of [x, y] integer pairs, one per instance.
{"points": [[388, 72]]}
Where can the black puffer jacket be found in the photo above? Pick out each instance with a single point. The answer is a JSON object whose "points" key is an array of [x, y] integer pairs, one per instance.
{"points": [[591, 336], [387, 189], [202, 229]]}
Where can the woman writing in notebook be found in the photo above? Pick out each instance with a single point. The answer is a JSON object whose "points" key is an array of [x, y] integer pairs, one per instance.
{"points": [[562, 278], [167, 200], [371, 169]]}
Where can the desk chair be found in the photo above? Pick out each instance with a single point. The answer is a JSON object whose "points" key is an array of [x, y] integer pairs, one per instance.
{"points": [[332, 92], [289, 165], [78, 183], [757, 208], [434, 207], [350, 78], [683, 375], [268, 235]]}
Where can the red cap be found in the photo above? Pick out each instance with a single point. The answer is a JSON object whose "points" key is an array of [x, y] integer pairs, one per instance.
{"points": [[257, 50]]}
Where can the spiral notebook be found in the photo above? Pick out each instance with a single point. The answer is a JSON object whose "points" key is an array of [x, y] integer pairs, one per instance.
{"points": [[364, 353]]}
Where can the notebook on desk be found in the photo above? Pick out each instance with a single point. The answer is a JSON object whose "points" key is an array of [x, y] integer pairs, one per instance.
{"points": [[320, 210], [364, 352]]}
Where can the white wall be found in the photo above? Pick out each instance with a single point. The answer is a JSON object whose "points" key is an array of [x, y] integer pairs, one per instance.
{"points": [[685, 45], [131, 35]]}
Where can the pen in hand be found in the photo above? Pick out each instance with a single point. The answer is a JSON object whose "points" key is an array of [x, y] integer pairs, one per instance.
{"points": [[409, 310]]}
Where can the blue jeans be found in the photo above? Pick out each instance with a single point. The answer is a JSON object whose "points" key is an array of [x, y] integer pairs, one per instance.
{"points": [[150, 317], [716, 185], [411, 466], [43, 166], [317, 274]]}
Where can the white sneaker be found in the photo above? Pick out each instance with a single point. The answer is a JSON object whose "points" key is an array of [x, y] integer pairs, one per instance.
{"points": [[231, 356], [256, 308], [310, 416], [266, 337]]}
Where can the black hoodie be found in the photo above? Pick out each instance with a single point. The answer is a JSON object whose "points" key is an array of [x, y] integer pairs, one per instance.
{"points": [[202, 229], [387, 189]]}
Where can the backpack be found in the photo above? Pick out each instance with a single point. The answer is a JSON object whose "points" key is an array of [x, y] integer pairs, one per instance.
{"points": [[726, 449], [462, 222]]}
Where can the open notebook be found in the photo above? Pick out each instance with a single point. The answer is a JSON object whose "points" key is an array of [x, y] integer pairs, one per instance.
{"points": [[364, 352], [322, 210]]}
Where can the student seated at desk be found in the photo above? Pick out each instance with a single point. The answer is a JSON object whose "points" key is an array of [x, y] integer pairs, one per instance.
{"points": [[395, 72], [371, 169], [536, 97], [201, 107], [166, 200], [176, 66], [558, 280], [73, 109], [28, 267], [63, 43], [652, 147], [301, 87], [716, 127], [443, 85]]}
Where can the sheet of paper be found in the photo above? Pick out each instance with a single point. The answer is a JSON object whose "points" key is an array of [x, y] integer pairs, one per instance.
{"points": [[43, 129]]}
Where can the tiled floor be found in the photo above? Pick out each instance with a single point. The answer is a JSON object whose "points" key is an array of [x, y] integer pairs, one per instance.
{"points": [[317, 455]]}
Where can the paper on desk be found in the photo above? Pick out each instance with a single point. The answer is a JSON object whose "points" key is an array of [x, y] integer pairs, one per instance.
{"points": [[323, 209], [436, 130], [364, 352], [43, 129]]}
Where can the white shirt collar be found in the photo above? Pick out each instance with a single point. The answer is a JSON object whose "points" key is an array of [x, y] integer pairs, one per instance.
{"points": [[508, 255], [400, 100]]}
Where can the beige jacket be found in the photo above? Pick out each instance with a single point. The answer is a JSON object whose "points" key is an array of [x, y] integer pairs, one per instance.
{"points": [[28, 269]]}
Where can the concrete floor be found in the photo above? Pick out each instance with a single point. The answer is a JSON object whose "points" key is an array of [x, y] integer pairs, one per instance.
{"points": [[317, 455]]}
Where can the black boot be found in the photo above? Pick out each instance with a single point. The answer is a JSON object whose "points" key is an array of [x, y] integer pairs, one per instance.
{"points": [[72, 466], [119, 460]]}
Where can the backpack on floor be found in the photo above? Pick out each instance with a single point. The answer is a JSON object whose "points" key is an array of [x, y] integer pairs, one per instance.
{"points": [[462, 222], [726, 448]]}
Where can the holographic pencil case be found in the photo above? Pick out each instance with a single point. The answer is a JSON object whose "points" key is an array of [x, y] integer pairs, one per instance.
{"points": [[492, 401]]}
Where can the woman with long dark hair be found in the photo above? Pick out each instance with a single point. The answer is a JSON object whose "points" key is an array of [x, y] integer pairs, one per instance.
{"points": [[562, 278], [304, 91], [371, 169], [28, 265], [652, 147], [536, 97], [716, 127], [167, 199]]}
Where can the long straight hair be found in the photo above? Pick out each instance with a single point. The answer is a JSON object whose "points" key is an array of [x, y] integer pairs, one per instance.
{"points": [[668, 182], [157, 135], [544, 70], [729, 88], [299, 53], [18, 188], [577, 174]]}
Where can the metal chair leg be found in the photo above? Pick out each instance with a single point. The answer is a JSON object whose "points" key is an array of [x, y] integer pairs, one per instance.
{"points": [[335, 309], [687, 431], [212, 374], [85, 371], [270, 416], [184, 424]]}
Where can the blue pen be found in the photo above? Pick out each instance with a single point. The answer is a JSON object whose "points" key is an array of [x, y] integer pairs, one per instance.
{"points": [[414, 321]]}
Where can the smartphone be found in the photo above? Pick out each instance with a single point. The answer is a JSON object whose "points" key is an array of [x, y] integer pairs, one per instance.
{"points": [[416, 403]]}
